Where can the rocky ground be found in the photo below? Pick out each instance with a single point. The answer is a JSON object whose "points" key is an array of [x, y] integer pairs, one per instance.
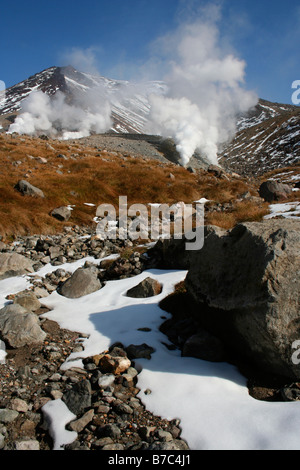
{"points": [[102, 395], [109, 417]]}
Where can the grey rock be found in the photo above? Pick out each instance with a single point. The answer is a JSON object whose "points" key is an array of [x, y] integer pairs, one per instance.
{"points": [[19, 328], [83, 281], [176, 444], [30, 444], [274, 191], [14, 264], [115, 446], [82, 422], [79, 397], [62, 213], [122, 408], [109, 430], [106, 380], [246, 284], [27, 300], [147, 288], [7, 416], [27, 189]]}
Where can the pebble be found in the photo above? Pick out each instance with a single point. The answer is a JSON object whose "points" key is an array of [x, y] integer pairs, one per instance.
{"points": [[28, 445], [7, 416]]}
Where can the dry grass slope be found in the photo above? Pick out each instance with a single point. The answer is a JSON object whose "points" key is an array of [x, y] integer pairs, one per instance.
{"points": [[71, 174]]}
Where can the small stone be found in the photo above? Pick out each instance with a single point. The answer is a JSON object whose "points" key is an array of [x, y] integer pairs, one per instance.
{"points": [[113, 447], [114, 365], [164, 436], [7, 416], [19, 405], [103, 441], [56, 394], [106, 381], [55, 377], [28, 445], [82, 422], [121, 408], [79, 397], [109, 430]]}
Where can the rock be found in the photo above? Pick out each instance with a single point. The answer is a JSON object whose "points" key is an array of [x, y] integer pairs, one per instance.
{"points": [[28, 300], [164, 436], [19, 328], [54, 252], [106, 380], [171, 254], [176, 444], [83, 281], [246, 284], [121, 408], [82, 422], [19, 405], [14, 264], [115, 446], [62, 213], [7, 416], [27, 189], [147, 288], [135, 351], [79, 397], [273, 191], [204, 345], [114, 365], [109, 430], [29, 444]]}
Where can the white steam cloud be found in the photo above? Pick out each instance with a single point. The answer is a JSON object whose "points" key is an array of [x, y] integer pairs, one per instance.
{"points": [[55, 117], [204, 95], [205, 92]]}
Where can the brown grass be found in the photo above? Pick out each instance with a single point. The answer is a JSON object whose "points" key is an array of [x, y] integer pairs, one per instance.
{"points": [[90, 175], [85, 177], [245, 211]]}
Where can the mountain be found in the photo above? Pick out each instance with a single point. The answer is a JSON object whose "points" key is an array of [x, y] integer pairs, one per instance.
{"points": [[267, 136], [130, 106]]}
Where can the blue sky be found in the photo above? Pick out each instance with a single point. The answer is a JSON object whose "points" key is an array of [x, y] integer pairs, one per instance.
{"points": [[117, 37]]}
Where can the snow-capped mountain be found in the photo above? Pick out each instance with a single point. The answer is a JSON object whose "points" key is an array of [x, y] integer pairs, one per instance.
{"points": [[267, 136], [129, 101]]}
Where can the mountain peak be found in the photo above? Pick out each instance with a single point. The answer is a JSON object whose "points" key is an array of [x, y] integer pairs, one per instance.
{"points": [[267, 135]]}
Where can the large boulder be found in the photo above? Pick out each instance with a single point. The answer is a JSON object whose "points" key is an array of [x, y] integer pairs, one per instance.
{"points": [[274, 191], [13, 264], [19, 328], [246, 283], [83, 281], [27, 189]]}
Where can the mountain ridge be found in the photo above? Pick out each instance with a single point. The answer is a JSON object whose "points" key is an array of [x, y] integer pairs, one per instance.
{"points": [[267, 136]]}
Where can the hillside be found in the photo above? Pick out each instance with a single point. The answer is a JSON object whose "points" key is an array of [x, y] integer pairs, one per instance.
{"points": [[267, 136], [83, 175], [265, 141]]}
